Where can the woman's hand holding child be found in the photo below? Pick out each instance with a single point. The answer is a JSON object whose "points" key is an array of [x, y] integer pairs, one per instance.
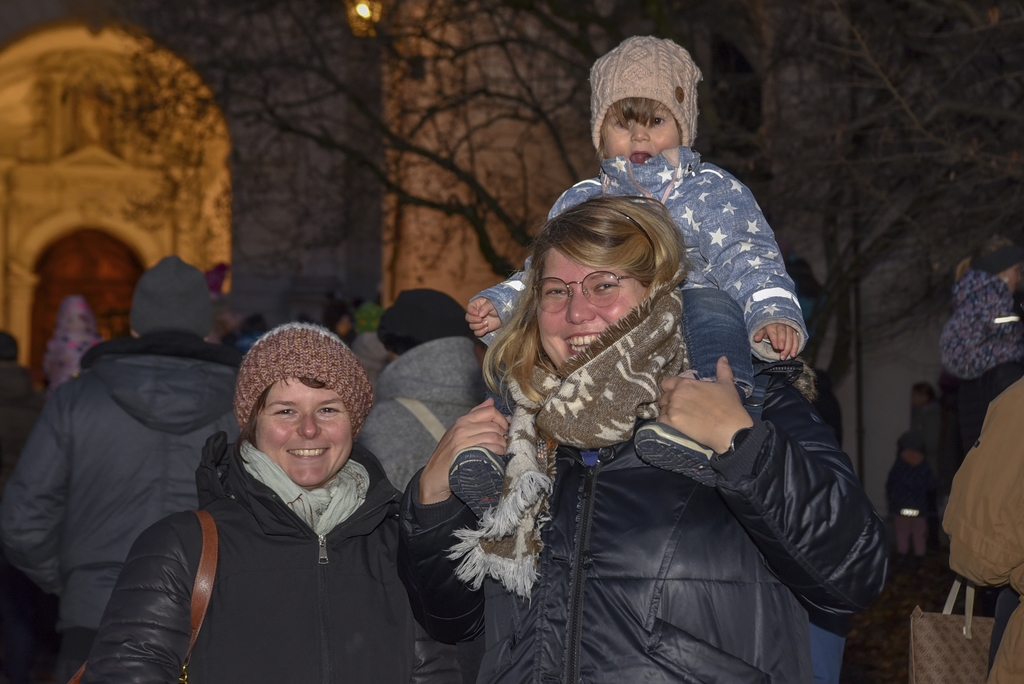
{"points": [[708, 411], [484, 426]]}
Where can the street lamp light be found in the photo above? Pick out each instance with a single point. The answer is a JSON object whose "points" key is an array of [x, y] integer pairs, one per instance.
{"points": [[363, 16]]}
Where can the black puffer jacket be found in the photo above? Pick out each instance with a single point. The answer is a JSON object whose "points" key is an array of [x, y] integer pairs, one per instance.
{"points": [[287, 606], [672, 581], [114, 450]]}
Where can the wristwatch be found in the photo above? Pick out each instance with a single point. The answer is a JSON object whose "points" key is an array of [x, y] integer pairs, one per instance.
{"points": [[738, 437]]}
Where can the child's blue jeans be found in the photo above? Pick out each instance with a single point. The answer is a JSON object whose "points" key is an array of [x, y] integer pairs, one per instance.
{"points": [[713, 327]]}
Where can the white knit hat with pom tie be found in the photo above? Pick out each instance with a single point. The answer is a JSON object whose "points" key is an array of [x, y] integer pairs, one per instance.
{"points": [[645, 66]]}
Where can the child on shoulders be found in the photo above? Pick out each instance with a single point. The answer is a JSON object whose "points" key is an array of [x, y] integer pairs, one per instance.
{"points": [[643, 121]]}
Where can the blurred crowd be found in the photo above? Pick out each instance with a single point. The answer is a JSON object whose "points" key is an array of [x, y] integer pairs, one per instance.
{"points": [[163, 391]]}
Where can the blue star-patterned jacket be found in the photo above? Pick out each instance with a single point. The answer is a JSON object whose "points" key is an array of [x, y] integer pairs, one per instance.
{"points": [[729, 243]]}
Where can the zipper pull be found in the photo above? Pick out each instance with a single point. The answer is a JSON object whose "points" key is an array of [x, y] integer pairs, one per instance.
{"points": [[323, 549]]}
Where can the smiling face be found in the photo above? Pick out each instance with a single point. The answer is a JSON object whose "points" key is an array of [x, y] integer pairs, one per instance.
{"points": [[306, 431], [572, 329], [639, 142]]}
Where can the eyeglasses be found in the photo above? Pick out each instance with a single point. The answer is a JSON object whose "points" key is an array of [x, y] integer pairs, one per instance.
{"points": [[601, 288]]}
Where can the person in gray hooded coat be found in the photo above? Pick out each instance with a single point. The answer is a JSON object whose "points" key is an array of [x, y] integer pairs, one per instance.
{"points": [[116, 449], [435, 378], [436, 369]]}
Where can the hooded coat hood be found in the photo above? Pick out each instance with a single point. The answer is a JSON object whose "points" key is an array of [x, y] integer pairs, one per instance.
{"points": [[221, 475], [174, 392], [114, 450]]}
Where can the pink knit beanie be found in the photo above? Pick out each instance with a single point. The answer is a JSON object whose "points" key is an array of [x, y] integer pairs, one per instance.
{"points": [[645, 66], [301, 350]]}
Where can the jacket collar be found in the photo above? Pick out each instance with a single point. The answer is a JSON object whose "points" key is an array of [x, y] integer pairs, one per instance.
{"points": [[222, 475], [622, 177], [165, 343]]}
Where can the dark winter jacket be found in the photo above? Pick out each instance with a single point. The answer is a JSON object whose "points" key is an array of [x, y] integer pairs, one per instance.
{"points": [[974, 396], [908, 486], [115, 449], [287, 605], [673, 581], [20, 406], [445, 375]]}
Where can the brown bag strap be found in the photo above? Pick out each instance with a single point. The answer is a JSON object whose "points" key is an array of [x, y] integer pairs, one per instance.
{"points": [[203, 586], [77, 677], [201, 589]]}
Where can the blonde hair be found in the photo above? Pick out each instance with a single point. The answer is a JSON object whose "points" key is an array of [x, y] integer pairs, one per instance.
{"points": [[994, 243], [642, 110], [631, 234]]}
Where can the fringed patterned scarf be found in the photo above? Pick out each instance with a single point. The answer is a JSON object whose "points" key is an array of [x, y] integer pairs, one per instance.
{"points": [[594, 401]]}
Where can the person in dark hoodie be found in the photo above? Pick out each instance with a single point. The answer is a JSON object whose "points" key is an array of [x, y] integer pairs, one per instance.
{"points": [[434, 377], [22, 603], [116, 449]]}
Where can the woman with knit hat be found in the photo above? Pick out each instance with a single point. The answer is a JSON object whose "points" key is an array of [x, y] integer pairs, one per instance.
{"points": [[613, 553], [306, 588]]}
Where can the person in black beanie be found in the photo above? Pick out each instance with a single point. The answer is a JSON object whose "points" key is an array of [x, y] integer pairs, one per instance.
{"points": [[116, 449], [420, 316], [435, 377]]}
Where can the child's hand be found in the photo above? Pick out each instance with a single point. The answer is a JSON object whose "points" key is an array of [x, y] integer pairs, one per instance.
{"points": [[482, 317], [785, 339]]}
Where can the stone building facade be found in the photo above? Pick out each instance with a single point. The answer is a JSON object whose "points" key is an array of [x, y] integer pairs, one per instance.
{"points": [[86, 201]]}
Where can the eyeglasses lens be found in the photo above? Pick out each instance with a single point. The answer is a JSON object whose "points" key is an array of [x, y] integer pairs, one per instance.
{"points": [[601, 288]]}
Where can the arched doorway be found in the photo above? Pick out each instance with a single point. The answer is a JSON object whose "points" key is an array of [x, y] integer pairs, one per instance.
{"points": [[90, 263], [76, 152]]}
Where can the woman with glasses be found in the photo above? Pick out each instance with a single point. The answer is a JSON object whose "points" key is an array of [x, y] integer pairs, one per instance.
{"points": [[649, 528]]}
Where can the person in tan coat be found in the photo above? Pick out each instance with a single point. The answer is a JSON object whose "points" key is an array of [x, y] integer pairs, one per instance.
{"points": [[985, 523]]}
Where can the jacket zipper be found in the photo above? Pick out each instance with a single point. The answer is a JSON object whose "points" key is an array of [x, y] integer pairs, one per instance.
{"points": [[579, 572], [323, 549], [321, 579]]}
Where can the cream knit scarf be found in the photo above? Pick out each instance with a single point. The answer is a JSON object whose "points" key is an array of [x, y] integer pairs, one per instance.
{"points": [[322, 509], [594, 401]]}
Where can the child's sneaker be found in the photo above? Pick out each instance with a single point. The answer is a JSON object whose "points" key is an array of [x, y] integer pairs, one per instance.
{"points": [[476, 477], [664, 447]]}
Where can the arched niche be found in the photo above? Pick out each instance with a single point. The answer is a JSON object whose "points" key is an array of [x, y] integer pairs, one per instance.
{"points": [[93, 128], [91, 263]]}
